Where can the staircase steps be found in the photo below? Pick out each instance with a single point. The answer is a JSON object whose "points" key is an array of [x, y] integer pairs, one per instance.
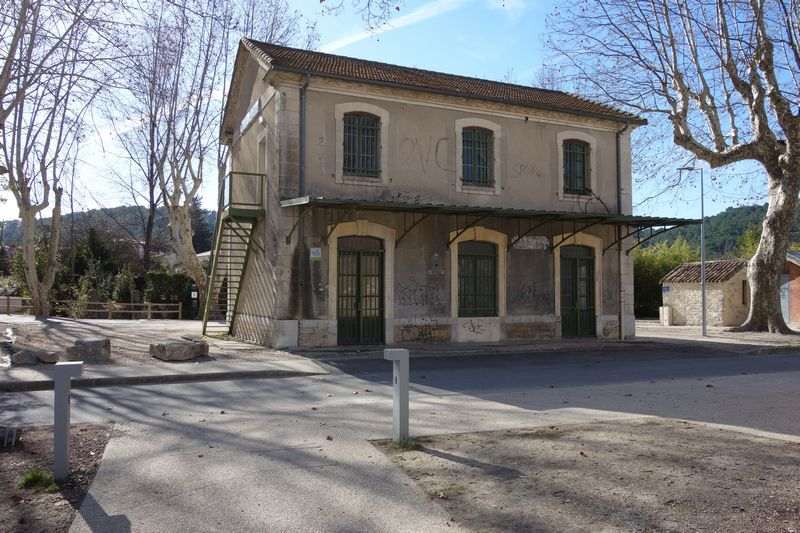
{"points": [[232, 248]]}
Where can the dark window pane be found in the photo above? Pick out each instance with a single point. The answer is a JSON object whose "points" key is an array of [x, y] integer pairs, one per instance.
{"points": [[576, 166], [477, 156], [477, 279], [361, 145]]}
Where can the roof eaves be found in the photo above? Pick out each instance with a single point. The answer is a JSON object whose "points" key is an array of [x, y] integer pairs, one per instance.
{"points": [[261, 58], [622, 117]]}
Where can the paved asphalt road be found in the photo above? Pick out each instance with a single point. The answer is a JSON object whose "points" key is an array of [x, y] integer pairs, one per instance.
{"points": [[184, 451], [761, 392]]}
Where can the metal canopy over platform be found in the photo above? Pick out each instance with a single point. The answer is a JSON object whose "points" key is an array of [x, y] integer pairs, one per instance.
{"points": [[631, 226]]}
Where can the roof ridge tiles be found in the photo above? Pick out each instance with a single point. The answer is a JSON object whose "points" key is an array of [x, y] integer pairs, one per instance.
{"points": [[377, 72]]}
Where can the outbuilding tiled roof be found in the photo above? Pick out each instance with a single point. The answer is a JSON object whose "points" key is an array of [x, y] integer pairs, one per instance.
{"points": [[716, 271], [373, 72]]}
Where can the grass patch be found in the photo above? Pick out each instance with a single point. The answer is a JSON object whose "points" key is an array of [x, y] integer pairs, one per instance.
{"points": [[408, 445], [39, 480]]}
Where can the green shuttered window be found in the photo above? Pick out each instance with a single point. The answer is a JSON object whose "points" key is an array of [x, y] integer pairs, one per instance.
{"points": [[477, 279], [362, 145], [576, 167], [478, 156]]}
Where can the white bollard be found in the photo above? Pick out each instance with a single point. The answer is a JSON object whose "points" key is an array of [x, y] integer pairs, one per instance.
{"points": [[64, 372], [399, 356]]}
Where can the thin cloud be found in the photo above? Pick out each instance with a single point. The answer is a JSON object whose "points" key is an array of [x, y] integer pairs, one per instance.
{"points": [[420, 14]]}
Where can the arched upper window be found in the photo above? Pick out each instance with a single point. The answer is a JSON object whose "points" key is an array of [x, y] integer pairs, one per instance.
{"points": [[576, 166], [362, 145], [477, 156]]}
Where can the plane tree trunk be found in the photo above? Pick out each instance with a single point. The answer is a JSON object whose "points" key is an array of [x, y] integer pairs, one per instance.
{"points": [[180, 224], [765, 269]]}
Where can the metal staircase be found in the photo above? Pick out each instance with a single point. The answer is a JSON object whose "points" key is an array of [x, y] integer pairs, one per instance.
{"points": [[240, 208]]}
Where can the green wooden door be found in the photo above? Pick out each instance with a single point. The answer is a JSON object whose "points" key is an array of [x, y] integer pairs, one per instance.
{"points": [[577, 292], [360, 317]]}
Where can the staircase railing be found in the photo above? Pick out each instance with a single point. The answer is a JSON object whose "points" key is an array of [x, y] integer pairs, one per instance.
{"points": [[242, 190], [240, 194]]}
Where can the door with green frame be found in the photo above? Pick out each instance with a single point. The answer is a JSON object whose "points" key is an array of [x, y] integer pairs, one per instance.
{"points": [[577, 292], [359, 291]]}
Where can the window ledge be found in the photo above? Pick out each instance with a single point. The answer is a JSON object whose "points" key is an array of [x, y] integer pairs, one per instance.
{"points": [[359, 180], [479, 189], [574, 196]]}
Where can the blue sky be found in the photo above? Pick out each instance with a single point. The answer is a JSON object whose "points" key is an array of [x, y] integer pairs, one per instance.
{"points": [[483, 38]]}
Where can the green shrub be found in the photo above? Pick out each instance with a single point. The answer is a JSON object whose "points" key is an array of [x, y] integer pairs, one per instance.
{"points": [[650, 265], [125, 287], [168, 287]]}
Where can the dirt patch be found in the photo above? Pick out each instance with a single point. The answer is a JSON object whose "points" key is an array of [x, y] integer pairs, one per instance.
{"points": [[654, 475], [36, 509]]}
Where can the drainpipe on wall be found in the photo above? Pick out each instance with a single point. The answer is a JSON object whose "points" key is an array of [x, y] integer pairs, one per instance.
{"points": [[304, 298], [301, 149], [620, 311]]}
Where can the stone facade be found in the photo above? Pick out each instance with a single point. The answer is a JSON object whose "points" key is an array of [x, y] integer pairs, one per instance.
{"points": [[288, 295], [726, 302]]}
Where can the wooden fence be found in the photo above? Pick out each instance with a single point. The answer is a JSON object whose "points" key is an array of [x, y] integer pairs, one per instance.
{"points": [[75, 309]]}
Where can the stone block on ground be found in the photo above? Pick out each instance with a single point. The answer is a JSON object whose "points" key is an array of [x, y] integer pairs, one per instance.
{"points": [[90, 350], [32, 356], [179, 350]]}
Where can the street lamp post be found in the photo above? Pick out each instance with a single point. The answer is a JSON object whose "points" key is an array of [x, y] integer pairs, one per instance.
{"points": [[702, 248]]}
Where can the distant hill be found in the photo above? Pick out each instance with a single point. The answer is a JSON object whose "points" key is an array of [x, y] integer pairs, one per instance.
{"points": [[724, 229], [124, 221]]}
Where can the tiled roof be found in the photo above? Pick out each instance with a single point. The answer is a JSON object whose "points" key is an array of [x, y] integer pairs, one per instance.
{"points": [[373, 72], [716, 271]]}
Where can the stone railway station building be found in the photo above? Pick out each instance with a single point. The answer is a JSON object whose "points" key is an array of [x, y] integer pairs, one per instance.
{"points": [[370, 204]]}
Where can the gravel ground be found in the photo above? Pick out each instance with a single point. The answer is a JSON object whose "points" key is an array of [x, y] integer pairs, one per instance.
{"points": [[29, 510], [641, 475]]}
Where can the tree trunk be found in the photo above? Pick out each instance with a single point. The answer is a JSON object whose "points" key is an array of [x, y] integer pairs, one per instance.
{"points": [[765, 269], [39, 307], [181, 228], [147, 250], [40, 286]]}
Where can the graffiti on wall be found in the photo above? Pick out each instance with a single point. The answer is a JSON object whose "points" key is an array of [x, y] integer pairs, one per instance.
{"points": [[530, 294], [475, 327], [526, 170], [418, 294], [425, 153]]}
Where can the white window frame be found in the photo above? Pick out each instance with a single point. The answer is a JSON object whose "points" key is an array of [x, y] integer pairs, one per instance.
{"points": [[362, 107], [580, 239], [363, 228], [497, 133], [479, 233], [590, 179]]}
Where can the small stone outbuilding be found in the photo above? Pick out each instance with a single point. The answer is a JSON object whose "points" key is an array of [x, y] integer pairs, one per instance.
{"points": [[790, 290], [727, 294]]}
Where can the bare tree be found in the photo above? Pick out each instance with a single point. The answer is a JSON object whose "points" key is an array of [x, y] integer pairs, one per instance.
{"points": [[50, 79], [138, 115], [373, 12], [195, 54], [723, 74], [275, 22]]}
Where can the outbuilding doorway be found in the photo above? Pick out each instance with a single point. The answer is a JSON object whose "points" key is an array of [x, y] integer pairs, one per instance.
{"points": [[577, 292], [360, 291]]}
